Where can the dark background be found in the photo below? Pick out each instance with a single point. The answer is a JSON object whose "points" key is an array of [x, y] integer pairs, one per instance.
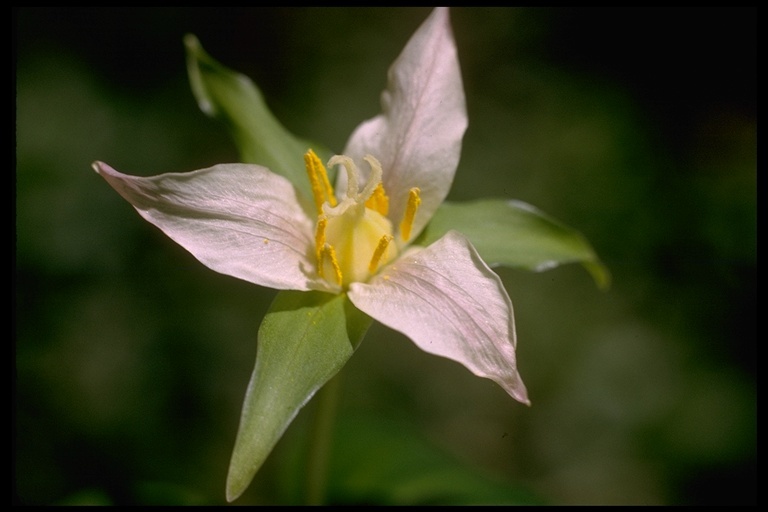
{"points": [[635, 126]]}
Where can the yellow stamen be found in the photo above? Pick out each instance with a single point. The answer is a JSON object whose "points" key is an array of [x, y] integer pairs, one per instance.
{"points": [[410, 212], [322, 222], [378, 253], [379, 201], [322, 190], [329, 253]]}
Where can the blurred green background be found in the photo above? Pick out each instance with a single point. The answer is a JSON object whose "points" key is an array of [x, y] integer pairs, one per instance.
{"points": [[635, 126]]}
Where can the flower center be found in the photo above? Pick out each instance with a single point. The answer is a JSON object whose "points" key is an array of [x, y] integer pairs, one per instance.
{"points": [[353, 237]]}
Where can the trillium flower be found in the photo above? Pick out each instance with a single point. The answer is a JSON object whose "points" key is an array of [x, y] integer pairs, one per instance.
{"points": [[246, 221], [360, 244]]}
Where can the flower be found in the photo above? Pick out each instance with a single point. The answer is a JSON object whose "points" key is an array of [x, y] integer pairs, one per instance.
{"points": [[246, 221]]}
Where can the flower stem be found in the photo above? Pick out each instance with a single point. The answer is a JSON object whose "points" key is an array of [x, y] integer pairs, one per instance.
{"points": [[321, 435]]}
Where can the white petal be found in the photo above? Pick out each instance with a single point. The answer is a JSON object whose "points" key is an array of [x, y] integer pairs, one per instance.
{"points": [[449, 303], [417, 138], [238, 219]]}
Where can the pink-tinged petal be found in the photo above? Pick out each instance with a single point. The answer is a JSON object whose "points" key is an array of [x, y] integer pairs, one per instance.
{"points": [[417, 138], [449, 303], [237, 219]]}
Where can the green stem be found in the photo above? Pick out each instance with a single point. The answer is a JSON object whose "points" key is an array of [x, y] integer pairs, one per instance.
{"points": [[320, 441]]}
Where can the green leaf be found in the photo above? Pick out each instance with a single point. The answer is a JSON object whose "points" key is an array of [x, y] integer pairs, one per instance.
{"points": [[515, 234], [304, 340], [259, 136]]}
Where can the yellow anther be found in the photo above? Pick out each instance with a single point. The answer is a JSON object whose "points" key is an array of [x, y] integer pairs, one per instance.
{"points": [[328, 254], [322, 190], [381, 248], [322, 222], [379, 201], [414, 200]]}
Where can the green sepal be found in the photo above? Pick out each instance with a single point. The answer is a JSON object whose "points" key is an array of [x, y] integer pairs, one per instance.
{"points": [[304, 340], [515, 234]]}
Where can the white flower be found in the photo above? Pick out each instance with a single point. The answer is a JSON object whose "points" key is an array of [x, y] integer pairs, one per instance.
{"points": [[245, 221]]}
